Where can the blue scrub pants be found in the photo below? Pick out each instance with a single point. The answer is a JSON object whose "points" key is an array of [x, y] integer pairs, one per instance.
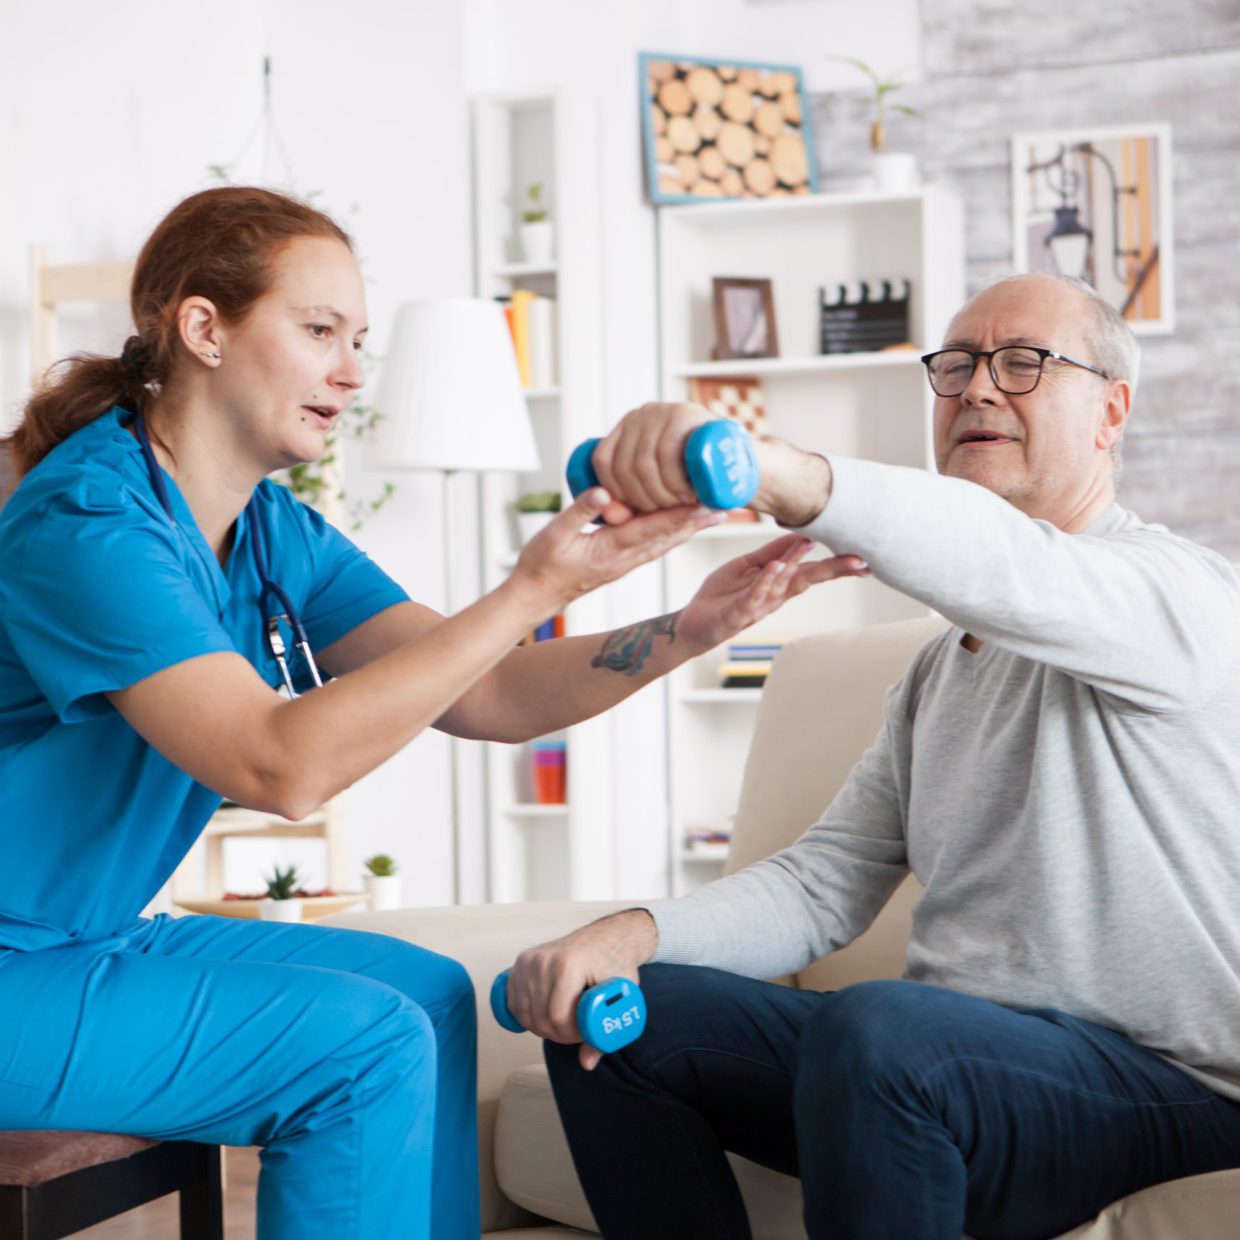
{"points": [[349, 1057], [909, 1112]]}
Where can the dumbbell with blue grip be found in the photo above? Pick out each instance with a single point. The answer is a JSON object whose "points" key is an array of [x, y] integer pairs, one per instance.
{"points": [[719, 459], [609, 1015]]}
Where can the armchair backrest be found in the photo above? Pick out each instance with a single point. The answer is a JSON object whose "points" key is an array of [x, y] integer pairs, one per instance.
{"points": [[821, 709]]}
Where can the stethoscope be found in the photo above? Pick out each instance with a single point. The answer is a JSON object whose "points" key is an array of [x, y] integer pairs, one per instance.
{"points": [[270, 589]]}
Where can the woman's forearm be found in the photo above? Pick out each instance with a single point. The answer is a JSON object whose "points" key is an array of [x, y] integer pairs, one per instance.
{"points": [[329, 738], [550, 685]]}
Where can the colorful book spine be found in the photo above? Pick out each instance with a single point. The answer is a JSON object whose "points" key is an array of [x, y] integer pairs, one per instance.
{"points": [[521, 299]]}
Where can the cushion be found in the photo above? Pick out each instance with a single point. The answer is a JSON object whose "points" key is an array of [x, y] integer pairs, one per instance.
{"points": [[28, 1159]]}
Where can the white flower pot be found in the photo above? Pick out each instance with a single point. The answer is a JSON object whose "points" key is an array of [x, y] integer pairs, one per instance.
{"points": [[895, 171], [537, 241], [531, 523], [383, 890], [280, 910]]}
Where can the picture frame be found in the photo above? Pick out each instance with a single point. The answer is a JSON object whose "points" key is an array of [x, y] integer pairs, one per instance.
{"points": [[744, 310], [1096, 202], [724, 129]]}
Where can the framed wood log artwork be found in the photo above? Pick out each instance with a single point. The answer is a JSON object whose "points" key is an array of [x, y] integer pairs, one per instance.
{"points": [[723, 129]]}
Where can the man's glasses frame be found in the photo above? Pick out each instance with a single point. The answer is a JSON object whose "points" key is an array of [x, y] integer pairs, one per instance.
{"points": [[990, 354]]}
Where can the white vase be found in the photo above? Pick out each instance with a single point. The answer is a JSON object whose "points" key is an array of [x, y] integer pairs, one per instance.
{"points": [[280, 910], [383, 890], [537, 241], [895, 171], [531, 523]]}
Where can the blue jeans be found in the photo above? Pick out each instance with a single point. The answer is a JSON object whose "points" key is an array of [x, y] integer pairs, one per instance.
{"points": [[349, 1057], [908, 1111]]}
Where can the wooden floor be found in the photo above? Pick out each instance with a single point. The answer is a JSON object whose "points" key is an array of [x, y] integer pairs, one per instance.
{"points": [[160, 1219]]}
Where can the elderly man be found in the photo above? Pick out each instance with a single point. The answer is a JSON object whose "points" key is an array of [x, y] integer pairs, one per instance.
{"points": [[1061, 772]]}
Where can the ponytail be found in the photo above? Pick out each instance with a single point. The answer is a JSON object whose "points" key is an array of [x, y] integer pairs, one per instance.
{"points": [[75, 391], [219, 244]]}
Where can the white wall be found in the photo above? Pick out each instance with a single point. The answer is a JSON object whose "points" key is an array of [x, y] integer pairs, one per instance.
{"points": [[110, 114], [592, 46]]}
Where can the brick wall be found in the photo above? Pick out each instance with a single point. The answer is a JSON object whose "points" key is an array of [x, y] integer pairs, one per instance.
{"points": [[993, 69]]}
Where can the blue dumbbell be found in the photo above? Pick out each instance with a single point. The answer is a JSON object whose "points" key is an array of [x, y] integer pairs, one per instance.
{"points": [[609, 1015], [719, 459]]}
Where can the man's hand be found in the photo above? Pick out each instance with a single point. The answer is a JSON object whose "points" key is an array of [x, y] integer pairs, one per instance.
{"points": [[751, 586], [642, 465], [546, 982]]}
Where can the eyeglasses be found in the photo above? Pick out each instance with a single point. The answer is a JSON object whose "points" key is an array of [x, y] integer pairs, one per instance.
{"points": [[1014, 369]]}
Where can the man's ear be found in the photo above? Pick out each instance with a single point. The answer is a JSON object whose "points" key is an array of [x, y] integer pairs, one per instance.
{"points": [[1114, 415], [198, 330]]}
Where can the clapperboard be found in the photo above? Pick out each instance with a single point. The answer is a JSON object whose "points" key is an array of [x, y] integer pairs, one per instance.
{"points": [[862, 316]]}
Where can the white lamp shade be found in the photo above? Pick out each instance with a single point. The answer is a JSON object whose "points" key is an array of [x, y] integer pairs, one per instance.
{"points": [[449, 394]]}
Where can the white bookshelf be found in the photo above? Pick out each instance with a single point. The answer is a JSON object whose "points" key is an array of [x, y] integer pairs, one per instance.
{"points": [[546, 851], [872, 405]]}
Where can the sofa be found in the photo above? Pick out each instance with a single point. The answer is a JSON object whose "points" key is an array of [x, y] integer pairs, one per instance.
{"points": [[821, 708]]}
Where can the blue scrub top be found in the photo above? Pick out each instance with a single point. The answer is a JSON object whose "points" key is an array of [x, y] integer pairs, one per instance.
{"points": [[99, 589]]}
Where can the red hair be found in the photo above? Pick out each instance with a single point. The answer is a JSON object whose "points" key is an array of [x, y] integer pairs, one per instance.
{"points": [[220, 244]]}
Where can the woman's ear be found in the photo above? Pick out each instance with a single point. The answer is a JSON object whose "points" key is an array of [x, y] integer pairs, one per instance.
{"points": [[198, 329]]}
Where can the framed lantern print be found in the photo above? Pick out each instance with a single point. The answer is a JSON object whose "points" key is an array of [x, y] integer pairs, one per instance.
{"points": [[1096, 204]]}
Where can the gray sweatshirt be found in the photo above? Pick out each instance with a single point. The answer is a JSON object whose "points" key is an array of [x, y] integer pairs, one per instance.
{"points": [[1069, 796]]}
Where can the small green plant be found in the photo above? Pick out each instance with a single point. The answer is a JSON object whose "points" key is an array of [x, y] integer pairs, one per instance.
{"points": [[534, 212], [381, 865], [881, 87], [284, 884], [539, 501]]}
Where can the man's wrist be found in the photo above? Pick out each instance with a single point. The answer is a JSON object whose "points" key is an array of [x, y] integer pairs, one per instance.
{"points": [[795, 485], [641, 932]]}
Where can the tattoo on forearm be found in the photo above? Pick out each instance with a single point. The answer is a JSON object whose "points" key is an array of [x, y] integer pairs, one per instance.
{"points": [[626, 650]]}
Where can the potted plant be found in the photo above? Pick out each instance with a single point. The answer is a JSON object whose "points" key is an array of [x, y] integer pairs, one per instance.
{"points": [[382, 881], [537, 233], [893, 170], [534, 510], [283, 899]]}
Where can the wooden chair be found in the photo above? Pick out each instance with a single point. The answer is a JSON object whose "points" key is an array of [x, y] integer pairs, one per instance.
{"points": [[53, 1184]]}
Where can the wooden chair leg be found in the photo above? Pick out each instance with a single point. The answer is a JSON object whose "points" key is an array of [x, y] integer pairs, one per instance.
{"points": [[13, 1217], [202, 1203]]}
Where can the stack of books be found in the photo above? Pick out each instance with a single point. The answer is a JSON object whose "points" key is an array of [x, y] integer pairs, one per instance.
{"points": [[748, 664], [864, 316], [531, 320]]}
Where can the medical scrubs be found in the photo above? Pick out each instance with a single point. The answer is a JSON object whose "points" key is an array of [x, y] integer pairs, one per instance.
{"points": [[348, 1056]]}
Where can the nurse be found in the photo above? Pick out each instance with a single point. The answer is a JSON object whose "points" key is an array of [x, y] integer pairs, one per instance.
{"points": [[146, 565]]}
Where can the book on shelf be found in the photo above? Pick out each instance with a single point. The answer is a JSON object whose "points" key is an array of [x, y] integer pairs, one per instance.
{"points": [[708, 833], [548, 630], [748, 664], [532, 322]]}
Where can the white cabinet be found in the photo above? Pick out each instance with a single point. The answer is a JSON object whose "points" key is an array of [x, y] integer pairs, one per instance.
{"points": [[546, 851], [872, 405]]}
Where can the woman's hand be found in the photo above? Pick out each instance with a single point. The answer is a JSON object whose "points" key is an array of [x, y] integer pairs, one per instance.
{"points": [[751, 586], [568, 559]]}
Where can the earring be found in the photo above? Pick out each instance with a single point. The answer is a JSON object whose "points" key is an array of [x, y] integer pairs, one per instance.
{"points": [[204, 353]]}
